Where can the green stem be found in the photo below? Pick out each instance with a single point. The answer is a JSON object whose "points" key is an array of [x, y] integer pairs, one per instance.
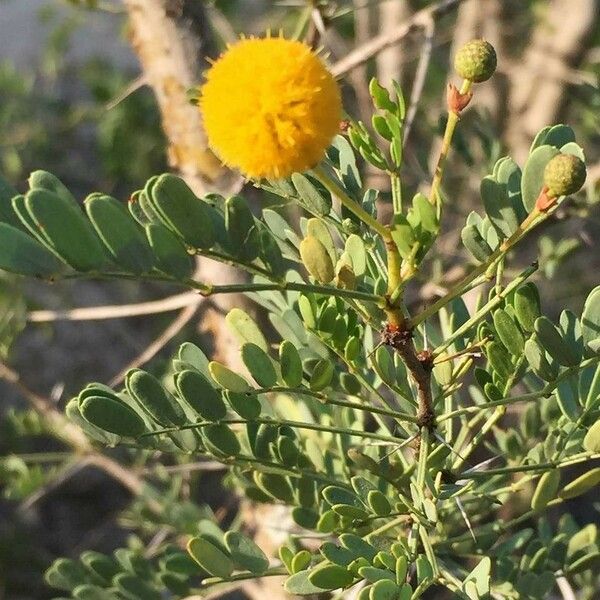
{"points": [[235, 288], [326, 399], [297, 424], [555, 464], [453, 119], [396, 192], [350, 204], [481, 269], [544, 392], [210, 581], [484, 310]]}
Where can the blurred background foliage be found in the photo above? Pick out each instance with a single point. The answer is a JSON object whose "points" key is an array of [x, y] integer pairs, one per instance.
{"points": [[74, 102]]}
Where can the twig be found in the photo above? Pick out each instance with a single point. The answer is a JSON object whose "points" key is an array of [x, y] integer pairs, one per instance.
{"points": [[381, 42], [93, 313], [184, 317], [130, 88], [420, 76]]}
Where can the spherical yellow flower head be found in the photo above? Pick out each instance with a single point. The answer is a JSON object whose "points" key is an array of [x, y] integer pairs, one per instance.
{"points": [[270, 107]]}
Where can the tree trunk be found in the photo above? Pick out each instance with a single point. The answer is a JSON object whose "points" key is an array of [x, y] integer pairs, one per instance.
{"points": [[172, 40]]}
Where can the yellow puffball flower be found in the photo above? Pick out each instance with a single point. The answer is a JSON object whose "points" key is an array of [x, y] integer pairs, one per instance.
{"points": [[270, 107]]}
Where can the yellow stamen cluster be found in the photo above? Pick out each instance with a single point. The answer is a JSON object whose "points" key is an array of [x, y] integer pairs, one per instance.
{"points": [[270, 107]]}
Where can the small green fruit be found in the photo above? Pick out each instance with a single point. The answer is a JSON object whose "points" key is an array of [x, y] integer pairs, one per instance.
{"points": [[476, 61], [563, 175]]}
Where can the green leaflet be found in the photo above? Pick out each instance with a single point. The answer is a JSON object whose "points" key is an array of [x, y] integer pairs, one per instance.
{"points": [[590, 320], [591, 442], [154, 399], [60, 222], [330, 577], [183, 212], [312, 194], [242, 232], [245, 328], [171, 257], [527, 306], [551, 339], [121, 236], [226, 378], [316, 259], [321, 376], [245, 554], [221, 440], [508, 332], [200, 395], [211, 558], [23, 255], [7, 213], [546, 489], [475, 243], [112, 416], [259, 365], [499, 207], [584, 483], [533, 174], [291, 364]]}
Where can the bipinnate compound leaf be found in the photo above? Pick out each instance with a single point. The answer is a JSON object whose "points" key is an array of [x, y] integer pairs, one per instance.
{"points": [[245, 328], [21, 254], [546, 489], [210, 557], [330, 577], [170, 255], [291, 364], [112, 416], [200, 395], [221, 440], [153, 399], [316, 259], [183, 212], [121, 236], [591, 441], [62, 224], [245, 553]]}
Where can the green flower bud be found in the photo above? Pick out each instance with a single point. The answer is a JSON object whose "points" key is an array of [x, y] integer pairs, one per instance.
{"points": [[563, 175], [476, 61]]}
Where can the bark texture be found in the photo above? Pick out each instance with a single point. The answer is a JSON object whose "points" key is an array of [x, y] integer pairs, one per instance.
{"points": [[172, 41]]}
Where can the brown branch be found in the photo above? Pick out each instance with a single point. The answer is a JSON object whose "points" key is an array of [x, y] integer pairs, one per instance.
{"points": [[363, 53], [184, 317]]}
